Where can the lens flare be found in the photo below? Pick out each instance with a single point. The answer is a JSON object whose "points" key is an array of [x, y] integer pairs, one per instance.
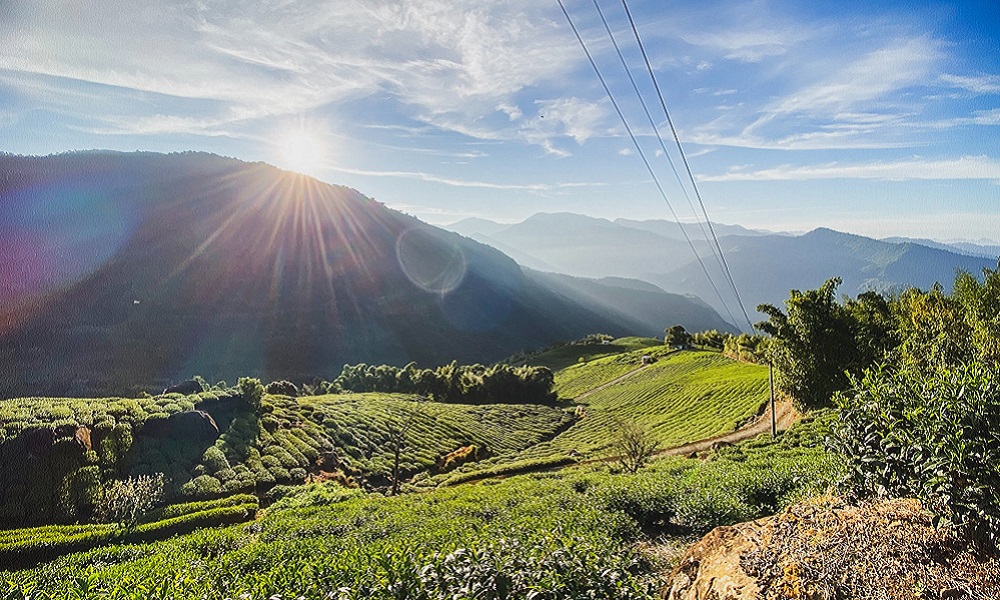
{"points": [[430, 260]]}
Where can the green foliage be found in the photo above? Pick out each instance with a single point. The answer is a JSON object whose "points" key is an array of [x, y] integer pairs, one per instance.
{"points": [[284, 388], [682, 397], [569, 534], [817, 343], [252, 392], [186, 508], [320, 493], [454, 383], [124, 502], [906, 433], [676, 336], [746, 347], [710, 339]]}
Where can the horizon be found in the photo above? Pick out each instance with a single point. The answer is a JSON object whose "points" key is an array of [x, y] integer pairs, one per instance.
{"points": [[864, 118]]}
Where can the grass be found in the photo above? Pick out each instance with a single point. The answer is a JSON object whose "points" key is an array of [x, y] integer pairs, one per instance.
{"points": [[570, 534], [566, 355]]}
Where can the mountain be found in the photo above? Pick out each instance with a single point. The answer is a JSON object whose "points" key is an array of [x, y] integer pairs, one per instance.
{"points": [[474, 226], [130, 271], [587, 247], [647, 307], [765, 266], [695, 231], [967, 248]]}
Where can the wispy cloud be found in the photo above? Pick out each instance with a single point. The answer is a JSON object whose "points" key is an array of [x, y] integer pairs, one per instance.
{"points": [[980, 84], [531, 187], [965, 167]]}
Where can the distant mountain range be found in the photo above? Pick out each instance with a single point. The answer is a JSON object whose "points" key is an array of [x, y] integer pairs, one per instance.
{"points": [[130, 271], [765, 265]]}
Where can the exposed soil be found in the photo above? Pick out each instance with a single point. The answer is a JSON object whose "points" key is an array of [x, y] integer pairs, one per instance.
{"points": [[825, 549]]}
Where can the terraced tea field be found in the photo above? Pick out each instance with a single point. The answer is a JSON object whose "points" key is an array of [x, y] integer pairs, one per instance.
{"points": [[682, 397]]}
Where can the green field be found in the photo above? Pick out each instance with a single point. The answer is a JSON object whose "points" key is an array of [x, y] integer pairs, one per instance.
{"points": [[571, 534], [682, 397], [358, 425]]}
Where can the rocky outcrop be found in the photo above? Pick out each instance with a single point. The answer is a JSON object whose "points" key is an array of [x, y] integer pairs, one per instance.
{"points": [[193, 425], [824, 548]]}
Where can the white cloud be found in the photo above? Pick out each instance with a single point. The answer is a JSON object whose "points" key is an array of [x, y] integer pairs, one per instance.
{"points": [[628, 152], [966, 167], [446, 61], [983, 84]]}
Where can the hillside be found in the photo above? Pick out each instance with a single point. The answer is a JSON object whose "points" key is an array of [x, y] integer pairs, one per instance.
{"points": [[130, 271], [681, 397]]}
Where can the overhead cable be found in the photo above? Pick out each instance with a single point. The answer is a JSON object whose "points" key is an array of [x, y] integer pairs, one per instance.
{"points": [[687, 166], [642, 154]]}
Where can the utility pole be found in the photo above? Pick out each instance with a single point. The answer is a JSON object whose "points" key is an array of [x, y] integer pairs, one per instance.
{"points": [[774, 418]]}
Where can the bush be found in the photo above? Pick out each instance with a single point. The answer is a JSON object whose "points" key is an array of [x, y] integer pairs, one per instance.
{"points": [[929, 436], [123, 502], [282, 388]]}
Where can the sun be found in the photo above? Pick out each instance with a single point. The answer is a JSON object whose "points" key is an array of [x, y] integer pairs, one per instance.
{"points": [[303, 150]]}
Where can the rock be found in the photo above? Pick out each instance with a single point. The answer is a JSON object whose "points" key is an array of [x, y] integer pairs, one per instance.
{"points": [[711, 569], [185, 387], [193, 424]]}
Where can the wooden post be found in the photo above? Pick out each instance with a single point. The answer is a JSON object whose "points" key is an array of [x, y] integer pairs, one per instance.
{"points": [[774, 418]]}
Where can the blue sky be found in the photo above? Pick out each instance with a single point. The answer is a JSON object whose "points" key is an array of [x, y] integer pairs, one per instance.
{"points": [[881, 118]]}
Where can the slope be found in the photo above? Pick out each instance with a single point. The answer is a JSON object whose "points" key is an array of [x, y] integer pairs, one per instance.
{"points": [[129, 271]]}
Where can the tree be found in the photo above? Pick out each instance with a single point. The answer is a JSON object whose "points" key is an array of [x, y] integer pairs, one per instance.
{"points": [[676, 336], [399, 425], [814, 345], [252, 392], [633, 445]]}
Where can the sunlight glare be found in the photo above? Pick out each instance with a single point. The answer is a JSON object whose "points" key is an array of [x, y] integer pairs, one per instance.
{"points": [[303, 151]]}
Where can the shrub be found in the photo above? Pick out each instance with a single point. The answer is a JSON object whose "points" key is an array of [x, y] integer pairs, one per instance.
{"points": [[123, 502], [283, 388], [929, 436]]}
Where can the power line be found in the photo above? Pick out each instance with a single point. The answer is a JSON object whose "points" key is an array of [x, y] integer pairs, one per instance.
{"points": [[642, 154], [687, 165], [656, 131]]}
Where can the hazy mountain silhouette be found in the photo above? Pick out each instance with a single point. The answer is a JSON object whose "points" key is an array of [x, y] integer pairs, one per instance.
{"points": [[765, 266], [139, 269]]}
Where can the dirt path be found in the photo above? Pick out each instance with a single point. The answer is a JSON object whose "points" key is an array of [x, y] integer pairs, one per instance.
{"points": [[787, 416], [611, 383]]}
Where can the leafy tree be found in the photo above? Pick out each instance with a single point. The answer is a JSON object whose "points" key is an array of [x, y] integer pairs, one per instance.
{"points": [[676, 335], [934, 331], [814, 345], [633, 446], [710, 339]]}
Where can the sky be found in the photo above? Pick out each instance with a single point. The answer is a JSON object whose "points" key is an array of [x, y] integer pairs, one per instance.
{"points": [[880, 118]]}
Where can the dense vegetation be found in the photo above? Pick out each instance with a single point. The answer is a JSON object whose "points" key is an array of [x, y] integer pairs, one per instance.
{"points": [[562, 535], [466, 384], [915, 377]]}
